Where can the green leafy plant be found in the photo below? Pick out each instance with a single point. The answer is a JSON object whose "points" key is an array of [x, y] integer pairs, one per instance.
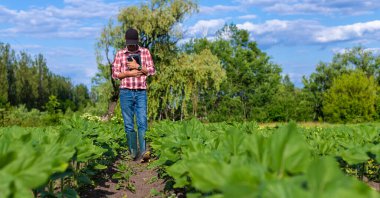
{"points": [[240, 160]]}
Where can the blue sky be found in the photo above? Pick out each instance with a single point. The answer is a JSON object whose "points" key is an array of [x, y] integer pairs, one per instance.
{"points": [[297, 34]]}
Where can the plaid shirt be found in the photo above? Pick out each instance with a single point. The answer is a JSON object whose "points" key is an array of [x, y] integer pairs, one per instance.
{"points": [[119, 65]]}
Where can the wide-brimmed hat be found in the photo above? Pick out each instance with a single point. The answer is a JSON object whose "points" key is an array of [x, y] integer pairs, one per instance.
{"points": [[131, 37]]}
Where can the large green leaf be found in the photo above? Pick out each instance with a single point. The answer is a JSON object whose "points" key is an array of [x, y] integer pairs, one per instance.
{"points": [[325, 179], [356, 155], [288, 152]]}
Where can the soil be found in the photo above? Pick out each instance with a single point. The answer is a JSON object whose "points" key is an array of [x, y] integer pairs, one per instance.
{"points": [[372, 184], [144, 180]]}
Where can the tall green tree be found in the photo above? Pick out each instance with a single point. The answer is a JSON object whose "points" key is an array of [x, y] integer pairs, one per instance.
{"points": [[290, 103], [156, 21], [183, 83], [81, 96], [28, 81], [4, 60], [320, 81], [351, 98], [26, 84], [252, 79], [42, 79], [11, 77]]}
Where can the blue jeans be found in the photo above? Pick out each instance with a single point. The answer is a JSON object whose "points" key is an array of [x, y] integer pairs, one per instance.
{"points": [[134, 103]]}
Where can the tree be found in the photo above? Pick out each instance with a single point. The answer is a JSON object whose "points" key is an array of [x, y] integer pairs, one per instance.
{"points": [[156, 21], [28, 81], [351, 98], [183, 83], [4, 59], [80, 96], [26, 84], [320, 81], [41, 78], [290, 103], [252, 79]]}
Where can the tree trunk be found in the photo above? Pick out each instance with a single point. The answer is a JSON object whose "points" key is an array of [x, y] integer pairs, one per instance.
{"points": [[114, 97], [111, 105]]}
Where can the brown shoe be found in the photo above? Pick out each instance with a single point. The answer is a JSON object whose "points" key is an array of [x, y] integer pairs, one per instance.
{"points": [[145, 157]]}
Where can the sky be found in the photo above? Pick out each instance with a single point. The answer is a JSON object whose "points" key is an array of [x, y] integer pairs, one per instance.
{"points": [[296, 34]]}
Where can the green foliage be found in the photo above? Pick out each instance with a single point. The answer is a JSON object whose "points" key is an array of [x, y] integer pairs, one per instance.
{"points": [[21, 116], [156, 22], [52, 105], [182, 84], [355, 146], [321, 80], [4, 62], [351, 98], [290, 103], [43, 159], [252, 79], [240, 160], [52, 108], [28, 81]]}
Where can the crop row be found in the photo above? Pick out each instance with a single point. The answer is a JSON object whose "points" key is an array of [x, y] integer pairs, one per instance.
{"points": [[55, 161], [242, 160]]}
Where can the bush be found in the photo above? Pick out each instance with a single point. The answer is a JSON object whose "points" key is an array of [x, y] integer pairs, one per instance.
{"points": [[351, 98], [20, 116]]}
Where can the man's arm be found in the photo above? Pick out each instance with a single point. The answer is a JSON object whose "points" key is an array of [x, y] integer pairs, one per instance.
{"points": [[116, 69], [148, 69], [116, 65], [131, 73]]}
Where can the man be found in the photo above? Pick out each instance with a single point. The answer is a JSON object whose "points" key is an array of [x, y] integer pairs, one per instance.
{"points": [[132, 66]]}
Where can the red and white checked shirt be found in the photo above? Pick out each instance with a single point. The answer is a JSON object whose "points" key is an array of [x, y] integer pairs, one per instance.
{"points": [[119, 65]]}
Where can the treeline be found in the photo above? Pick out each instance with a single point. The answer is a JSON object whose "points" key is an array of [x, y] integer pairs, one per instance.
{"points": [[228, 78], [343, 90], [26, 80], [347, 88]]}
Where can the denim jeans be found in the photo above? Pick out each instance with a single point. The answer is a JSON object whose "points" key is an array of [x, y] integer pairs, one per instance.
{"points": [[134, 103]]}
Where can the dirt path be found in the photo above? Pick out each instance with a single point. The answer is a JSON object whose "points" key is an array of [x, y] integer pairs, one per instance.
{"points": [[139, 182]]}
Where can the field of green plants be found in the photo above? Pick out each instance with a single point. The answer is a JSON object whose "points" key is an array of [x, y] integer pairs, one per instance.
{"points": [[244, 160], [54, 161], [200, 160]]}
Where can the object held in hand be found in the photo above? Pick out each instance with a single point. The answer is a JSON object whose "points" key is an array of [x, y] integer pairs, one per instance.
{"points": [[137, 58]]}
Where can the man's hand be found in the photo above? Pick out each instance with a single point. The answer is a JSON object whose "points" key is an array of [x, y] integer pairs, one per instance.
{"points": [[130, 73], [144, 70], [132, 64], [135, 73]]}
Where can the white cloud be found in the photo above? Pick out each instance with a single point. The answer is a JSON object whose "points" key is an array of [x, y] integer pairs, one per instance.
{"points": [[77, 63], [249, 16], [205, 28], [347, 32], [218, 8], [26, 47], [85, 9], [67, 22], [309, 32], [303, 8], [293, 32], [345, 50], [267, 27], [348, 7], [276, 31]]}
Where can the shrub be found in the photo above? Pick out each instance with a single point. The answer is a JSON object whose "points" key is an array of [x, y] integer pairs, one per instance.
{"points": [[351, 98]]}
